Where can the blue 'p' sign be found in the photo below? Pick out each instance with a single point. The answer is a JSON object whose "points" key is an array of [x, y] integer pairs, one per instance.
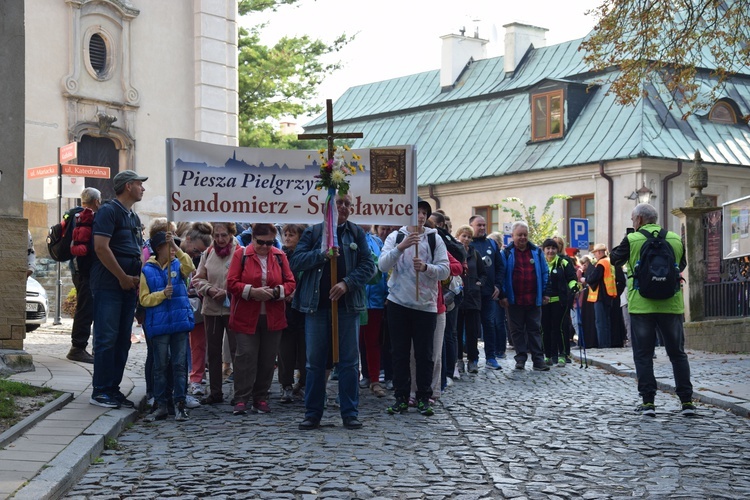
{"points": [[579, 233]]}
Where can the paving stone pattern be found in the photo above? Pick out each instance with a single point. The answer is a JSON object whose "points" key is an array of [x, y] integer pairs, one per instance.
{"points": [[567, 433]]}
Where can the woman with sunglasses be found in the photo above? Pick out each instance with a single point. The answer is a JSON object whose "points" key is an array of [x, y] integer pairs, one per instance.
{"points": [[258, 281]]}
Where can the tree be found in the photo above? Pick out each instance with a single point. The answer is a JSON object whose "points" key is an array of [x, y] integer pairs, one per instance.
{"points": [[539, 230], [278, 81], [670, 44]]}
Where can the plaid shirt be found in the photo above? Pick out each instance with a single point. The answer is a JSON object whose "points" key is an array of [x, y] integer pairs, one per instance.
{"points": [[524, 278]]}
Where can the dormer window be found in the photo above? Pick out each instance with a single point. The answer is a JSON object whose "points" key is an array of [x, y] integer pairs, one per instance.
{"points": [[723, 112], [547, 111]]}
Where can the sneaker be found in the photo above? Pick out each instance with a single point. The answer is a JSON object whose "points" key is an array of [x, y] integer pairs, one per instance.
{"points": [[561, 362], [352, 423], [460, 366], [541, 368], [150, 401], [181, 414], [79, 354], [548, 361], [240, 409], [298, 390], [104, 400], [192, 402], [212, 399], [364, 383], [123, 401], [159, 413], [287, 395], [520, 366], [389, 385], [492, 364], [425, 408], [196, 389], [381, 376], [377, 390], [472, 367], [646, 410], [448, 382], [261, 407], [309, 424], [501, 356], [688, 409], [568, 360], [397, 408], [456, 375]]}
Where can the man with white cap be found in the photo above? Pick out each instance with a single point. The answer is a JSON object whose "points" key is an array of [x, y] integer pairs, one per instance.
{"points": [[602, 290]]}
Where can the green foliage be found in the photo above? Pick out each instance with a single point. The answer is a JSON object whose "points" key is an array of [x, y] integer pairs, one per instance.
{"points": [[279, 81], [541, 229], [9, 390], [664, 42], [111, 444]]}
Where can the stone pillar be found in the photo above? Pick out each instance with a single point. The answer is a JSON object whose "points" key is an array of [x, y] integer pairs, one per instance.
{"points": [[691, 222], [13, 227], [216, 77]]}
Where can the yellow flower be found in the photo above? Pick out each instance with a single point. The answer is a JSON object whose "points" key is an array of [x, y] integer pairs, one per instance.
{"points": [[347, 148], [321, 151]]}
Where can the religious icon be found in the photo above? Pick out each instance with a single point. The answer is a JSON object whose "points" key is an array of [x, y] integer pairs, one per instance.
{"points": [[388, 171]]}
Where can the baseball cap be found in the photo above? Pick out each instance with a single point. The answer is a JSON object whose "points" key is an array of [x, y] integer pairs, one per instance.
{"points": [[126, 176]]}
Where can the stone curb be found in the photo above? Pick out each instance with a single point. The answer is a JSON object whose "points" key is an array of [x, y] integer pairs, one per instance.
{"points": [[737, 406], [67, 468], [14, 432]]}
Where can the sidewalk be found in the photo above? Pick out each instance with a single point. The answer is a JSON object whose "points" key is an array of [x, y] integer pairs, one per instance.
{"points": [[54, 448], [47, 458]]}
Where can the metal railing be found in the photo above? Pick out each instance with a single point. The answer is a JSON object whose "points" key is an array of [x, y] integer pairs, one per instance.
{"points": [[727, 299]]}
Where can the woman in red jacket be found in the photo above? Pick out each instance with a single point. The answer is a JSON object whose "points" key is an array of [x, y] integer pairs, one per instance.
{"points": [[258, 280]]}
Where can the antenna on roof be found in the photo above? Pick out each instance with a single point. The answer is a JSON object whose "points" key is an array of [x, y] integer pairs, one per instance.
{"points": [[462, 31]]}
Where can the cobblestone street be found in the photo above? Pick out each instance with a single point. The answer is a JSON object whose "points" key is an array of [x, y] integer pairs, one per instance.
{"points": [[567, 433]]}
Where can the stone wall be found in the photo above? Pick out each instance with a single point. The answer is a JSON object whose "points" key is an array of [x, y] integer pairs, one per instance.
{"points": [[13, 243], [719, 335]]}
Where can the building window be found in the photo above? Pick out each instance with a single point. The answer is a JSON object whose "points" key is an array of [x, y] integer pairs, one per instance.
{"points": [[722, 112], [582, 207], [547, 115], [98, 56], [490, 215]]}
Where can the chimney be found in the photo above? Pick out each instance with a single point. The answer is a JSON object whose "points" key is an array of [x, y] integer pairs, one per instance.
{"points": [[518, 39], [458, 50]]}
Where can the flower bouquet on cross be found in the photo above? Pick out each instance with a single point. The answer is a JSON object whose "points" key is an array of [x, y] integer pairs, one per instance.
{"points": [[335, 168]]}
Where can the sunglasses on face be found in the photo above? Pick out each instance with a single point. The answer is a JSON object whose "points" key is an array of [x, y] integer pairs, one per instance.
{"points": [[267, 243]]}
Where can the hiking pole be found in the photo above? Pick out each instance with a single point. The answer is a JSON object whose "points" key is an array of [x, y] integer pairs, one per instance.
{"points": [[584, 359]]}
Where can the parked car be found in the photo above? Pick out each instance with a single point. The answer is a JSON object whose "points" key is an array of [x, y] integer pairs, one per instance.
{"points": [[37, 305]]}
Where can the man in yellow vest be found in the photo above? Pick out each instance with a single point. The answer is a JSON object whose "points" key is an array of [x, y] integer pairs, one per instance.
{"points": [[602, 290]]}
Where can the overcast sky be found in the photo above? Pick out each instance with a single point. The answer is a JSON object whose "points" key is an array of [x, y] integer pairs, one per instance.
{"points": [[402, 37]]}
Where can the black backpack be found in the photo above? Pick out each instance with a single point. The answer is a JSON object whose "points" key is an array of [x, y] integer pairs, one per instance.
{"points": [[452, 245], [60, 237], [656, 274]]}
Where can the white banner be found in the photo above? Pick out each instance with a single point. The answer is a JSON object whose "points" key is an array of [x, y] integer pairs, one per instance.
{"points": [[71, 187], [209, 182]]}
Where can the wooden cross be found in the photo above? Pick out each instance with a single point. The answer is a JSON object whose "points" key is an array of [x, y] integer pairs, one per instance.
{"points": [[330, 136]]}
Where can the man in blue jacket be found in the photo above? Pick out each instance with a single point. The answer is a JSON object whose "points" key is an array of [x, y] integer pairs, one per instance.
{"points": [[491, 290], [525, 279], [314, 296]]}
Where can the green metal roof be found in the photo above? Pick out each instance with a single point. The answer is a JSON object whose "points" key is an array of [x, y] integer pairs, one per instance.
{"points": [[482, 127]]}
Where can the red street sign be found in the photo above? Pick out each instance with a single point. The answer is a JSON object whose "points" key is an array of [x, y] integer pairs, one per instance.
{"points": [[86, 171], [40, 172], [68, 152]]}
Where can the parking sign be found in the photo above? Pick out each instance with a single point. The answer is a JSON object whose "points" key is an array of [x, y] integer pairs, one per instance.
{"points": [[579, 233]]}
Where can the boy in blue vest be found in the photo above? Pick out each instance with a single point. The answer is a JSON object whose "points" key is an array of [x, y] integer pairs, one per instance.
{"points": [[169, 320]]}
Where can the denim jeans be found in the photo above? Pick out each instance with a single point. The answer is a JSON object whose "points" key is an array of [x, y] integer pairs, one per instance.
{"points": [[501, 332], [525, 328], [114, 311], [170, 355], [488, 313], [318, 344], [149, 368], [643, 338], [84, 314], [450, 347], [602, 312]]}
